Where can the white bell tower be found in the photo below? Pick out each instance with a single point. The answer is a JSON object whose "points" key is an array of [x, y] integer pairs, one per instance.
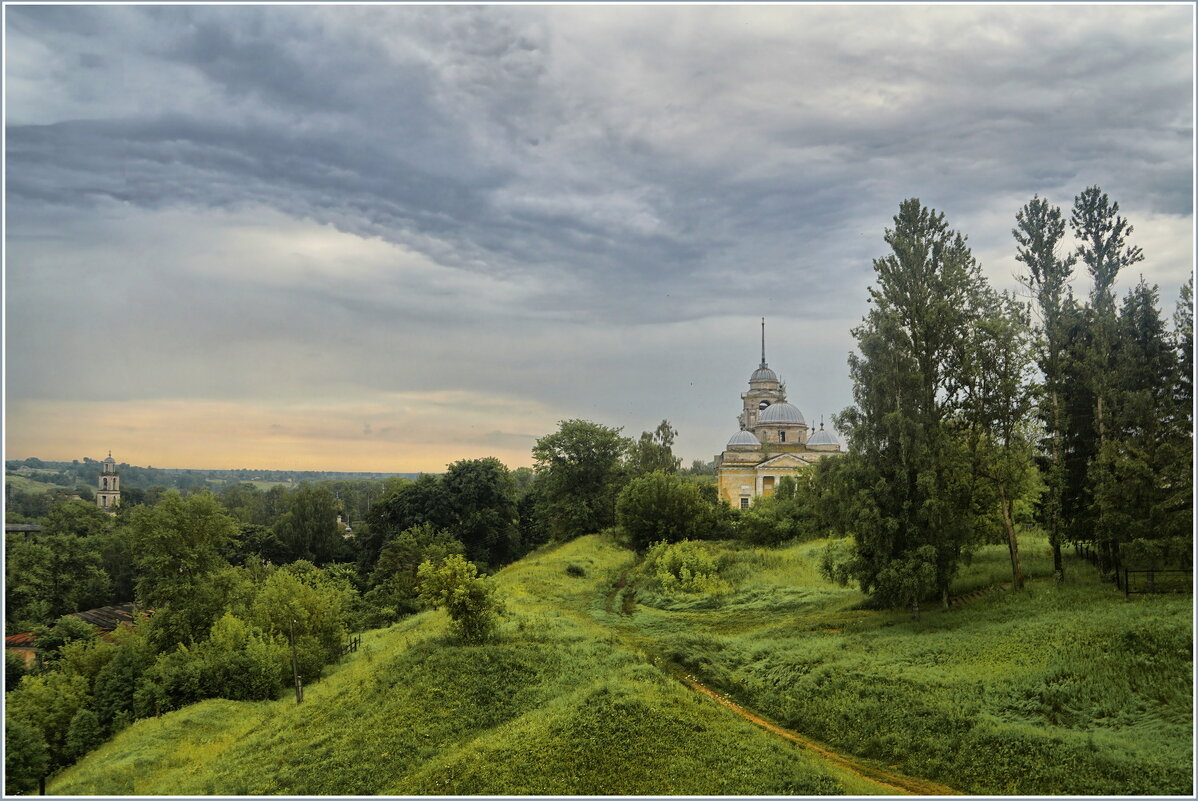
{"points": [[108, 495]]}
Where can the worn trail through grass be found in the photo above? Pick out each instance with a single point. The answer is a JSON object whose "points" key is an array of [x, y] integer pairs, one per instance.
{"points": [[887, 779]]}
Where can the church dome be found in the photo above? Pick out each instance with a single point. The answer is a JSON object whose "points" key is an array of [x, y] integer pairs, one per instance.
{"points": [[110, 460], [781, 412], [743, 438], [822, 437], [763, 373]]}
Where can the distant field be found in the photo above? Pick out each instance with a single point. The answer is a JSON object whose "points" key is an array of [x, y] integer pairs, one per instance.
{"points": [[1055, 690], [26, 484]]}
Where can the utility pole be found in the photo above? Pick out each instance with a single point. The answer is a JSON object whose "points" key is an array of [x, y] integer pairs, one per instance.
{"points": [[299, 687]]}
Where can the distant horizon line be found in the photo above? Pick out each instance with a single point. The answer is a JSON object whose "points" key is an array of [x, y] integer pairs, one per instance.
{"points": [[232, 469]]}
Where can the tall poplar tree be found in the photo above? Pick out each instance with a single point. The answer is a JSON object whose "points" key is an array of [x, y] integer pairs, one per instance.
{"points": [[1103, 248], [913, 515], [1039, 231]]}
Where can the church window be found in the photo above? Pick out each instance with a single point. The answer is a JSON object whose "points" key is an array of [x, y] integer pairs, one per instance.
{"points": [[744, 502], [782, 436]]}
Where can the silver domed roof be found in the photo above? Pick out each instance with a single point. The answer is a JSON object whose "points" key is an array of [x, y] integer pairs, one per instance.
{"points": [[781, 412], [744, 438], [822, 437], [763, 373], [110, 460]]}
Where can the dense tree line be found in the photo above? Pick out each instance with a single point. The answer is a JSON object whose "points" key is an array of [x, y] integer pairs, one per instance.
{"points": [[967, 413]]}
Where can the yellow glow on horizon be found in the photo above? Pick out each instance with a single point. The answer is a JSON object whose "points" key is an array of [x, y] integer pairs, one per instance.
{"points": [[400, 433]]}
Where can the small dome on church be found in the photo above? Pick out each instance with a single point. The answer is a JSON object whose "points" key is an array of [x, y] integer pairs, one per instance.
{"points": [[781, 412], [110, 460], [741, 438], [763, 373], [822, 437]]}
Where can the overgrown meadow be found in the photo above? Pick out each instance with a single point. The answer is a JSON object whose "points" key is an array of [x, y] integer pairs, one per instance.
{"points": [[1057, 689]]}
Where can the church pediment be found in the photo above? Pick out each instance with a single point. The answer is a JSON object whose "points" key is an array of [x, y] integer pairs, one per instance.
{"points": [[785, 460]]}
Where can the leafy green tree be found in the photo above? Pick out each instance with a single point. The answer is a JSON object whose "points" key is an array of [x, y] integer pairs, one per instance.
{"points": [[660, 507], [26, 757], [408, 504], [394, 589], [309, 529], [47, 702], [67, 629], [245, 502], [179, 544], [241, 663], [115, 550], [482, 496], [912, 469], [1039, 233], [83, 734], [27, 577], [312, 613], [580, 472], [771, 520], [654, 451], [57, 575], [116, 682], [470, 599], [77, 518], [259, 543], [998, 403], [86, 657], [534, 528], [77, 580]]}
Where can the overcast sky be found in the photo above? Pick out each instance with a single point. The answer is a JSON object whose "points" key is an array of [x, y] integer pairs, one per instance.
{"points": [[387, 238]]}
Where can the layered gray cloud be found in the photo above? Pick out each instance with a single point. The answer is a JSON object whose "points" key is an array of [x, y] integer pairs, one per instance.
{"points": [[584, 207]]}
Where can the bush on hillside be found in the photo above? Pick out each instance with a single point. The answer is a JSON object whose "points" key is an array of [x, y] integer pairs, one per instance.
{"points": [[470, 599], [660, 507], [237, 661], [686, 566]]}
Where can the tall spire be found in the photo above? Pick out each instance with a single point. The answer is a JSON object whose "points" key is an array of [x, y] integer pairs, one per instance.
{"points": [[763, 342]]}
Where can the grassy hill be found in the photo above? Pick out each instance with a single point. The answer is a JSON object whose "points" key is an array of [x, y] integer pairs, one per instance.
{"points": [[29, 484], [1054, 690]]}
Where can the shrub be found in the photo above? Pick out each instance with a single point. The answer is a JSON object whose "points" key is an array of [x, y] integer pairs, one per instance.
{"points": [[84, 734], [469, 598], [685, 567], [660, 507]]}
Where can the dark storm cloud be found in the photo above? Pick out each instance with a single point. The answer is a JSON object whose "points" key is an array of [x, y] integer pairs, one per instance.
{"points": [[544, 173], [458, 131]]}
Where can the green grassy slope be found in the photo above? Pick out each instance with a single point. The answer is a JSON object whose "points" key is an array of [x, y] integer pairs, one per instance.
{"points": [[558, 705], [1059, 689], [1069, 689], [27, 484]]}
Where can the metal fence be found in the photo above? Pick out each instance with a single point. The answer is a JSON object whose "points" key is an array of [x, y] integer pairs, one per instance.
{"points": [[1153, 581]]}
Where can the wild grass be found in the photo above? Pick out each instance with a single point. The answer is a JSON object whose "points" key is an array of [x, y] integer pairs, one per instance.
{"points": [[1055, 689], [1064, 688], [557, 704]]}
